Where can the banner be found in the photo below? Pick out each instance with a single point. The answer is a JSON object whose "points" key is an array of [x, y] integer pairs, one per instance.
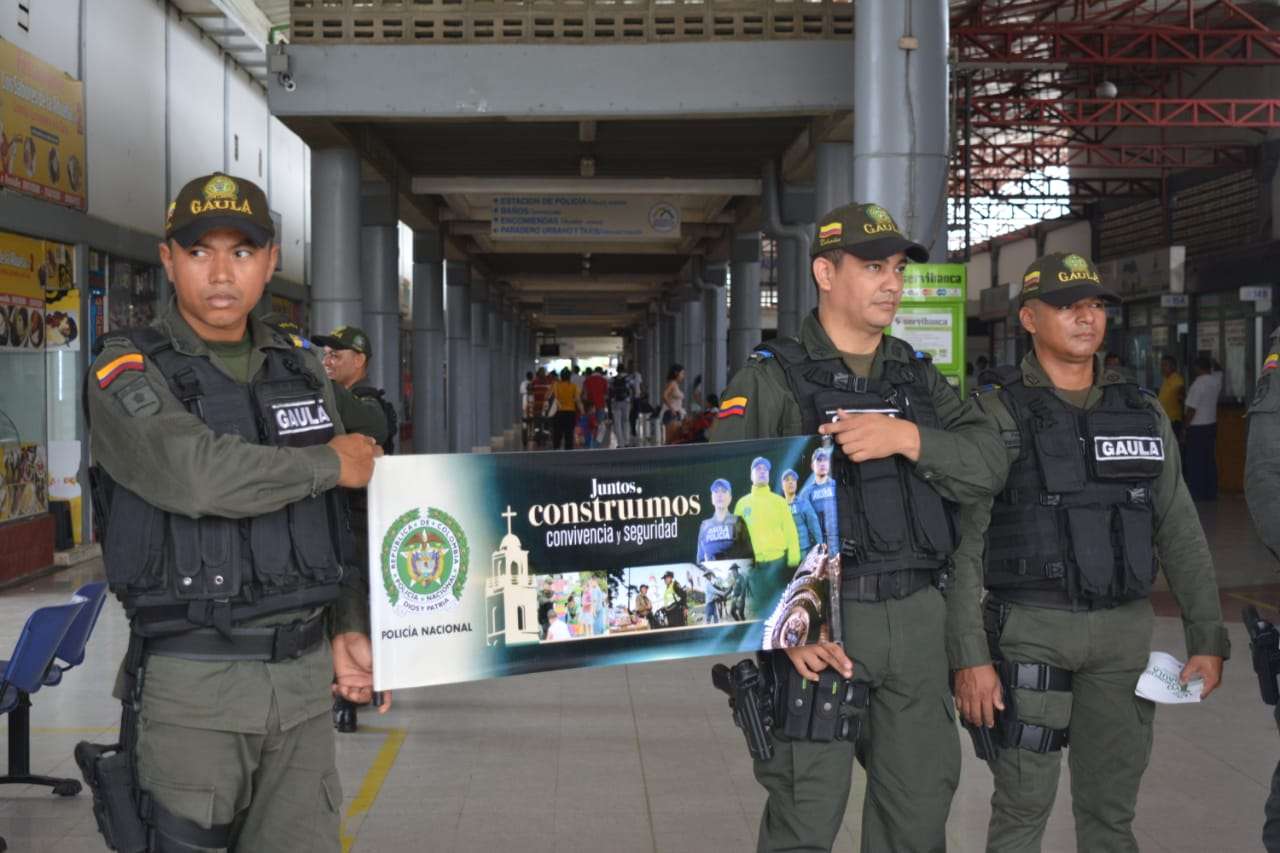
{"points": [[42, 150], [24, 487], [932, 316], [485, 565], [33, 273]]}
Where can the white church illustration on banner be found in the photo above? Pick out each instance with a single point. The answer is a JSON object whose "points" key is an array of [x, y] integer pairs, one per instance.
{"points": [[510, 597]]}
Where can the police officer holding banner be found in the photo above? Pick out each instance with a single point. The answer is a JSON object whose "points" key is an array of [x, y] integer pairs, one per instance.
{"points": [[908, 449], [1092, 504], [346, 363], [1262, 492], [218, 460]]}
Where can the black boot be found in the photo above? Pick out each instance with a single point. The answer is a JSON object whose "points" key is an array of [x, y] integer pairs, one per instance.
{"points": [[344, 715]]}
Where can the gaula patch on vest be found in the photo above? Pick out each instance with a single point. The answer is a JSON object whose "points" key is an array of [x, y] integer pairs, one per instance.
{"points": [[1127, 448]]}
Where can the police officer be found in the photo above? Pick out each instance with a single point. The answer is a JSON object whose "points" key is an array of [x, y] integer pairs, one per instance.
{"points": [[723, 536], [1093, 493], [1262, 492], [217, 458], [808, 528], [896, 478], [346, 363], [820, 493]]}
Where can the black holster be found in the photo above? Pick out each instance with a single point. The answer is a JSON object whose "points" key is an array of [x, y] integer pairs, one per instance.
{"points": [[1264, 646], [128, 818], [1010, 731]]}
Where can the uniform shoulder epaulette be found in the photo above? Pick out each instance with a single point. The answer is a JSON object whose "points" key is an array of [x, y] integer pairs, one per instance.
{"points": [[783, 350]]}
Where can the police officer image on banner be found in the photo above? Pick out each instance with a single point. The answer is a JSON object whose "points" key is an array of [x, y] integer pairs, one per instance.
{"points": [[1093, 495], [723, 536], [808, 527], [1262, 492], [897, 482], [820, 493], [224, 534], [346, 363]]}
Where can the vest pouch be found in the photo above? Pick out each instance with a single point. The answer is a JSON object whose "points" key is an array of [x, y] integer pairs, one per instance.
{"points": [[272, 546], [880, 489], [1061, 463], [206, 557], [313, 540], [1139, 555], [134, 542], [1090, 528], [1015, 546], [933, 517]]}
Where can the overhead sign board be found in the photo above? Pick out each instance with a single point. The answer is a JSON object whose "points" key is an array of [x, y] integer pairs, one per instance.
{"points": [[584, 218], [1174, 300]]}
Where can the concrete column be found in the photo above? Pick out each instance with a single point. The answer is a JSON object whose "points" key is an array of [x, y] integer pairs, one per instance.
{"points": [[480, 367], [335, 239], [670, 336], [459, 378], [653, 370], [380, 275], [499, 380], [716, 324], [789, 311], [513, 366], [695, 352], [430, 431], [833, 186], [744, 307], [900, 137]]}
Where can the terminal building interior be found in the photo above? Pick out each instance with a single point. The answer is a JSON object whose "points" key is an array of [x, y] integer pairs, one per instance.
{"points": [[490, 187]]}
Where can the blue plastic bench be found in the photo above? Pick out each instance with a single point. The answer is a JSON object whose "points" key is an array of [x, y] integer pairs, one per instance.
{"points": [[24, 674]]}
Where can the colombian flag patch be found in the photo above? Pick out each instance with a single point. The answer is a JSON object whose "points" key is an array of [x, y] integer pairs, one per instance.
{"points": [[1271, 363], [732, 406], [109, 371]]}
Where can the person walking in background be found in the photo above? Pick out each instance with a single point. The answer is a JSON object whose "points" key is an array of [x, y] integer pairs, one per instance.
{"points": [[567, 404], [673, 401], [1201, 440], [1173, 393], [595, 402]]}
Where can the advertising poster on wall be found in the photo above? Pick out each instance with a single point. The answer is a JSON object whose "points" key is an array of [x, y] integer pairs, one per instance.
{"points": [[24, 488], [500, 564], [932, 316], [39, 304], [42, 148], [584, 217]]}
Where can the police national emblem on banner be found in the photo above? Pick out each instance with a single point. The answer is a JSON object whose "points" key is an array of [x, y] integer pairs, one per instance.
{"points": [[499, 564]]}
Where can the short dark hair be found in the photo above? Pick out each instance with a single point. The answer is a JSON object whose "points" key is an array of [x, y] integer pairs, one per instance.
{"points": [[1204, 363], [1173, 361]]}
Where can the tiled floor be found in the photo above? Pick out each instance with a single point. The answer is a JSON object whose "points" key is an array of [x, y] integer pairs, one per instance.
{"points": [[645, 758]]}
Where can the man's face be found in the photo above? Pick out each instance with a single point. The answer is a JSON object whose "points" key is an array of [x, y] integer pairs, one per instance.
{"points": [[789, 487], [720, 498], [1072, 333], [218, 280], [863, 293], [759, 476], [667, 580], [344, 366], [821, 467], [644, 589]]}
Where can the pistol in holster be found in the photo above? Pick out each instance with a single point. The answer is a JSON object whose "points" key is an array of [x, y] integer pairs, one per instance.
{"points": [[1264, 644]]}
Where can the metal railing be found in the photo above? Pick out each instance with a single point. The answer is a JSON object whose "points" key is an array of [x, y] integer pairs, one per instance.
{"points": [[565, 21]]}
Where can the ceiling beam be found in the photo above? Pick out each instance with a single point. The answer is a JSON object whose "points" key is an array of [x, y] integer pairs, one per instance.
{"points": [[451, 184]]}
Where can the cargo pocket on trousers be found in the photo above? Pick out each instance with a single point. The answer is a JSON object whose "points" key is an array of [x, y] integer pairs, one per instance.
{"points": [[331, 792], [193, 802]]}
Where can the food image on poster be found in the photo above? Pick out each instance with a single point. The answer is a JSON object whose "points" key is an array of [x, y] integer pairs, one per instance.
{"points": [[55, 171], [74, 173], [527, 562]]}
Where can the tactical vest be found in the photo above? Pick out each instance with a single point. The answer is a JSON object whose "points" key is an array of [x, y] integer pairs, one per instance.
{"points": [[890, 518], [174, 573], [368, 392], [1076, 513]]}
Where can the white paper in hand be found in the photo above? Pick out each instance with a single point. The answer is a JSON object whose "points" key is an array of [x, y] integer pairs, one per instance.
{"points": [[1159, 682]]}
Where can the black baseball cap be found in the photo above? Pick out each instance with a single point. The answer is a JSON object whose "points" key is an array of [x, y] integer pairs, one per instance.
{"points": [[866, 231], [219, 201], [345, 337], [1062, 279]]}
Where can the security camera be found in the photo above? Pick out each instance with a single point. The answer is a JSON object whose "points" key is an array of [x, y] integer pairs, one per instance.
{"points": [[287, 81]]}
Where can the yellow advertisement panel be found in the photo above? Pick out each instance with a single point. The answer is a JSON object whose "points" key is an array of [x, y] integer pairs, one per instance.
{"points": [[33, 273], [42, 151]]}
